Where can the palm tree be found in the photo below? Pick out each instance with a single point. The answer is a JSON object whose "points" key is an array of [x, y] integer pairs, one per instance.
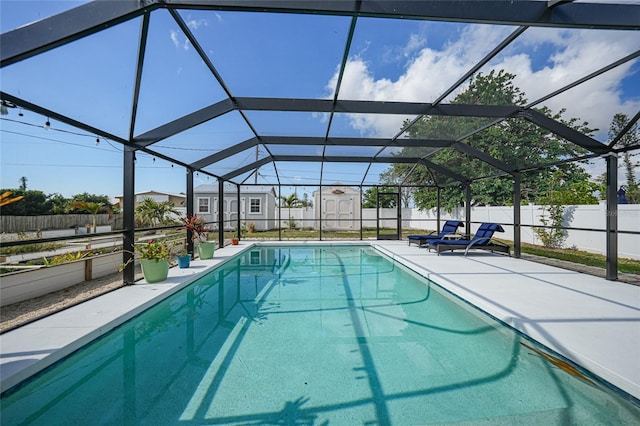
{"points": [[289, 202], [93, 208], [152, 213]]}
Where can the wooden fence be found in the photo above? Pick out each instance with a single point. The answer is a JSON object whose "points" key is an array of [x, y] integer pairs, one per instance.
{"points": [[12, 224]]}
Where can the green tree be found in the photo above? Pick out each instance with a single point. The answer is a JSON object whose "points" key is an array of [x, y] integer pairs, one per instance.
{"points": [[631, 138], [92, 208], [516, 142], [290, 202], [92, 198], [370, 197], [58, 203], [34, 203], [153, 213], [559, 194]]}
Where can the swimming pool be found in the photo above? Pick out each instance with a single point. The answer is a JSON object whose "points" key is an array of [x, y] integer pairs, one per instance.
{"points": [[311, 335]]}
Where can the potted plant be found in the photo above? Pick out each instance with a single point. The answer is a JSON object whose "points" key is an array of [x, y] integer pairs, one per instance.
{"points": [[200, 234], [154, 259], [235, 240], [184, 259]]}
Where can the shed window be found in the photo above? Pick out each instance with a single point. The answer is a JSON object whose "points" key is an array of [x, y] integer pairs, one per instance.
{"points": [[255, 206], [203, 205]]}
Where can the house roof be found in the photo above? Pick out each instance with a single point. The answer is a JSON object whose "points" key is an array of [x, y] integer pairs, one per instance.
{"points": [[247, 189]]}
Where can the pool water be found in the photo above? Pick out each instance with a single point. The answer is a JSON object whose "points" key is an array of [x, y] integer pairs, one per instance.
{"points": [[306, 335]]}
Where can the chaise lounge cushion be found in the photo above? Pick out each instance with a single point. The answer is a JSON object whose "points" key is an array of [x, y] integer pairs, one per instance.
{"points": [[449, 227], [481, 240]]}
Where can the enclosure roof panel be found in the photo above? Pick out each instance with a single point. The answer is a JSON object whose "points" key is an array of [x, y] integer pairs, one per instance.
{"points": [[282, 92]]}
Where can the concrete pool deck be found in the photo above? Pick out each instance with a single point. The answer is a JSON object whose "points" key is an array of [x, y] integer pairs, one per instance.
{"points": [[587, 319]]}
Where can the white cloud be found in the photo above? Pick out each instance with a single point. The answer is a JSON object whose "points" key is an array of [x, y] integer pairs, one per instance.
{"points": [[194, 24], [174, 37], [178, 40], [578, 54], [429, 72]]}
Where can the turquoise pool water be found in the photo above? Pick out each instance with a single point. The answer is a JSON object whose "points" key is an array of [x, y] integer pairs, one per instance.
{"points": [[313, 336]]}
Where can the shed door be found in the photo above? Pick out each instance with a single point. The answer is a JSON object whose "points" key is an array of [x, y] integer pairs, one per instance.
{"points": [[338, 213]]}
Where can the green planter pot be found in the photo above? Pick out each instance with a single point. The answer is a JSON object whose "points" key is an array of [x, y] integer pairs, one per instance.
{"points": [[155, 270], [205, 250]]}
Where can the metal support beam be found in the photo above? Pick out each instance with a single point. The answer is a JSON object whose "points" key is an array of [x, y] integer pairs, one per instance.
{"points": [[373, 107], [520, 12], [517, 221], [246, 168], [469, 150], [221, 213], [438, 209], [612, 217], [279, 212], [60, 29], [128, 215], [225, 153], [565, 131], [317, 141], [467, 208], [184, 123], [238, 222], [190, 199], [361, 221]]}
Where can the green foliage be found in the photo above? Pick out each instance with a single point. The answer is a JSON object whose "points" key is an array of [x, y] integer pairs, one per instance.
{"points": [[631, 138], [91, 198], [66, 257], [560, 193], [197, 227], [92, 208], [37, 203], [152, 250], [290, 202], [370, 197], [629, 266], [59, 203], [30, 248], [34, 203], [152, 213], [515, 142]]}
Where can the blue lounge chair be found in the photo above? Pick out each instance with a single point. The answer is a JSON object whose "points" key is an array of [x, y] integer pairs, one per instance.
{"points": [[481, 241], [449, 227]]}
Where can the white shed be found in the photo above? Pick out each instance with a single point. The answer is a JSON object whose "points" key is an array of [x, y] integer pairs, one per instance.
{"points": [[338, 206], [257, 205]]}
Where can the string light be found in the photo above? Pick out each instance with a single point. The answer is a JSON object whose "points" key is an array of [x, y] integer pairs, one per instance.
{"points": [[47, 124], [154, 160], [20, 114], [97, 141]]}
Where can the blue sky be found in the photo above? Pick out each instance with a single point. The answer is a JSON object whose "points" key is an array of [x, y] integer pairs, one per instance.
{"points": [[272, 55]]}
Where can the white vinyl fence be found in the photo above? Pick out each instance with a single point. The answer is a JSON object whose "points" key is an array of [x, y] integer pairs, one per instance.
{"points": [[582, 216]]}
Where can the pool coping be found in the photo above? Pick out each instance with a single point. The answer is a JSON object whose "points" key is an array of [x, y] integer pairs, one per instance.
{"points": [[29, 349]]}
